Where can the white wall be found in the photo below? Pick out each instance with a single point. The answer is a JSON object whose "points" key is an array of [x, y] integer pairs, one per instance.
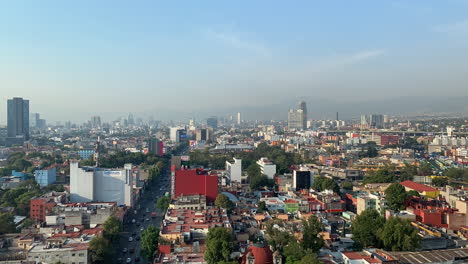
{"points": [[81, 184], [234, 169]]}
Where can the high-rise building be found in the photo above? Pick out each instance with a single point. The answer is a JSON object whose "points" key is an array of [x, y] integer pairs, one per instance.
{"points": [[95, 121], [197, 181], [18, 120], [303, 107], [239, 120], [155, 146], [302, 179], [234, 169], [130, 120], [267, 167], [212, 122], [372, 121]]}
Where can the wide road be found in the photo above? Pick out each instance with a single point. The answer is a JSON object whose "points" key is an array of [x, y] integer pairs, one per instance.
{"points": [[144, 207]]}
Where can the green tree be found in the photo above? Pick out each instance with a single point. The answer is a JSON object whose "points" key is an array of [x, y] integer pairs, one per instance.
{"points": [[398, 235], [277, 237], [365, 227], [347, 185], [310, 259], [7, 224], [408, 172], [222, 201], [219, 245], [149, 241], [412, 193], [112, 228], [293, 252], [163, 203], [439, 181], [254, 170], [395, 195], [425, 169], [323, 183], [100, 250], [384, 175], [311, 235], [262, 206]]}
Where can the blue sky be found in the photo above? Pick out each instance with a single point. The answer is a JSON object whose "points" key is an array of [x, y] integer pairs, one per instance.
{"points": [[76, 58]]}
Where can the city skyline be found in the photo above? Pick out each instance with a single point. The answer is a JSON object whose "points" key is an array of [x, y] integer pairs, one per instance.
{"points": [[73, 62]]}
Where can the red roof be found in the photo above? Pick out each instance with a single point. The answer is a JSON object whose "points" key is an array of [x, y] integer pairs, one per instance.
{"points": [[417, 186]]}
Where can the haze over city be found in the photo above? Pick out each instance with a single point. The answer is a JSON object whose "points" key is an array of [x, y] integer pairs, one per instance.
{"points": [[182, 60]]}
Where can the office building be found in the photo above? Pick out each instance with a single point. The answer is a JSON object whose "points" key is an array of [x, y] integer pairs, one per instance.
{"points": [[303, 107], [91, 184], [45, 176], [267, 167], [234, 169], [297, 119], [302, 179], [196, 181], [372, 121], [85, 153], [177, 134], [239, 120], [155, 146], [33, 119], [95, 121], [17, 120], [212, 122], [130, 120]]}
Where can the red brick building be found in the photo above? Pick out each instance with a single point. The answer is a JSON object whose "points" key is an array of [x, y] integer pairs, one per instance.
{"points": [[39, 207]]}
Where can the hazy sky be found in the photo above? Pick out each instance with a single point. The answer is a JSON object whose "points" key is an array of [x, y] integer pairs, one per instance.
{"points": [[75, 58]]}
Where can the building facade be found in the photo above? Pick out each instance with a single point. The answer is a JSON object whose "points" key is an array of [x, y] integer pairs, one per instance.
{"points": [[234, 170], [267, 167], [17, 120], [45, 176]]}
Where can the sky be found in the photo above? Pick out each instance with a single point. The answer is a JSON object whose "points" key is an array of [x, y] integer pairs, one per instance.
{"points": [[169, 59]]}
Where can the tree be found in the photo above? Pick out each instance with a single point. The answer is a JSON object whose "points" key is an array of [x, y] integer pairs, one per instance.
{"points": [[222, 201], [425, 169], [395, 195], [149, 241], [162, 203], [398, 235], [323, 183], [293, 252], [310, 259], [7, 224], [311, 235], [384, 175], [347, 185], [219, 245], [439, 181], [277, 236], [412, 193], [365, 227], [408, 172], [262, 206], [100, 250], [112, 228]]}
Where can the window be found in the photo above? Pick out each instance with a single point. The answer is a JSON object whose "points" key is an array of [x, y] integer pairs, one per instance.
{"points": [[81, 254], [73, 254]]}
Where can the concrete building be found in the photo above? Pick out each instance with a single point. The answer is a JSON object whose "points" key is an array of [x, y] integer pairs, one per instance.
{"points": [[89, 184], [189, 202], [87, 214], [45, 176], [372, 121], [234, 170], [295, 119], [267, 167], [193, 182], [239, 120], [212, 122], [41, 206], [370, 201], [177, 134], [85, 153], [17, 121], [155, 146], [302, 179]]}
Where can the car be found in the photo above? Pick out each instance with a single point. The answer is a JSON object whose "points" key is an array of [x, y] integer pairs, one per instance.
{"points": [[147, 219], [130, 239], [129, 260], [133, 220], [124, 250], [142, 229]]}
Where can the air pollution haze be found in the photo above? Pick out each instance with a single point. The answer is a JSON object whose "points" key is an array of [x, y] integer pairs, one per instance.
{"points": [[159, 59]]}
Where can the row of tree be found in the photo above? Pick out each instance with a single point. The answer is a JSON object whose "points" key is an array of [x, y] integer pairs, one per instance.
{"points": [[370, 229]]}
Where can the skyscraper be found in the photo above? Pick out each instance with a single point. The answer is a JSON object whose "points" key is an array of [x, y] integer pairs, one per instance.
{"points": [[303, 107], [239, 120], [18, 120], [212, 122]]}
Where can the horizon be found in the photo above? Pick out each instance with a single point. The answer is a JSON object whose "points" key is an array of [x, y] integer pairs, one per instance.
{"points": [[176, 62]]}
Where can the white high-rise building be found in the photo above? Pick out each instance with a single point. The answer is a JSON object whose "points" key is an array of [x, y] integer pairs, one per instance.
{"points": [[89, 184], [267, 167], [234, 170], [239, 120]]}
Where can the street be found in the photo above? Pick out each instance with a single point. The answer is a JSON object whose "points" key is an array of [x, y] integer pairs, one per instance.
{"points": [[144, 207]]}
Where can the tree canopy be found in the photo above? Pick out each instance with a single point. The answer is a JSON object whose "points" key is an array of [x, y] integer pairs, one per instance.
{"points": [[323, 183], [219, 245], [112, 228], [384, 175], [162, 203], [101, 250], [395, 195], [7, 224], [365, 227], [222, 201], [311, 239], [149, 241], [398, 235]]}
